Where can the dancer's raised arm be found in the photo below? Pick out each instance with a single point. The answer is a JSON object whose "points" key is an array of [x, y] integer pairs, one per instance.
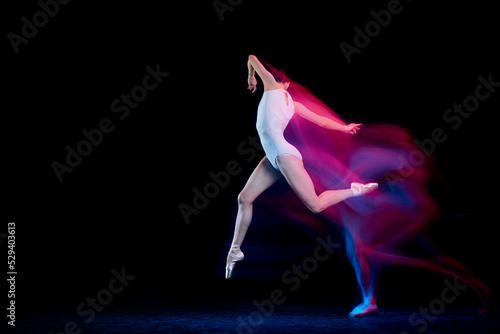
{"points": [[325, 122], [254, 65]]}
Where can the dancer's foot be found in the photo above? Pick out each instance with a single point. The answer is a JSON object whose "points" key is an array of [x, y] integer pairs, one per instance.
{"points": [[235, 255], [365, 307], [359, 189]]}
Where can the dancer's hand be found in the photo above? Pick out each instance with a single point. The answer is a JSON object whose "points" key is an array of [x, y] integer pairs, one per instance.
{"points": [[353, 128], [252, 84]]}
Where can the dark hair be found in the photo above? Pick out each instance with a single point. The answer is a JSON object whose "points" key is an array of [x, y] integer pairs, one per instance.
{"points": [[280, 76]]}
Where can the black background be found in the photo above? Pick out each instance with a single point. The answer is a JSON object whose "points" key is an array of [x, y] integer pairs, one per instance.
{"points": [[119, 207]]}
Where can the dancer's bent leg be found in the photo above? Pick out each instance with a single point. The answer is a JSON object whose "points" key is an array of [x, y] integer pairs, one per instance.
{"points": [[299, 180], [262, 178]]}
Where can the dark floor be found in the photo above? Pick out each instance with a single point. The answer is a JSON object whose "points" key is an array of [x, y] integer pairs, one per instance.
{"points": [[160, 316]]}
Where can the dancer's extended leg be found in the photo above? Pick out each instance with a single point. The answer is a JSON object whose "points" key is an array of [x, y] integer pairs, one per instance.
{"points": [[299, 180], [262, 178]]}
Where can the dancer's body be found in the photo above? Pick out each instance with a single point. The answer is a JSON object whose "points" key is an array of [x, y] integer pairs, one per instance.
{"points": [[282, 159]]}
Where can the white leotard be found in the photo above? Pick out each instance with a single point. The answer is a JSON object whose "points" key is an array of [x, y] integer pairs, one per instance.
{"points": [[275, 111]]}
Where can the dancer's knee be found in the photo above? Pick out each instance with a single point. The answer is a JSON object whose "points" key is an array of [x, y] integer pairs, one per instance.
{"points": [[244, 198]]}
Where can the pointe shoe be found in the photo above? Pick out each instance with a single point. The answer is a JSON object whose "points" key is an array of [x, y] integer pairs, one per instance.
{"points": [[232, 258], [359, 189]]}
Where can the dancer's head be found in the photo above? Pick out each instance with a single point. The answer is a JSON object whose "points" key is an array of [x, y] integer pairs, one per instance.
{"points": [[281, 78]]}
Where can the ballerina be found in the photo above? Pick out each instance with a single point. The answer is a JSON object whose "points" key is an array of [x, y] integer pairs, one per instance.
{"points": [[282, 159], [376, 230]]}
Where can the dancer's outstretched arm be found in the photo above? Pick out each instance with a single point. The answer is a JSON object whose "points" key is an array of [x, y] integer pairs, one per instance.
{"points": [[324, 122]]}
